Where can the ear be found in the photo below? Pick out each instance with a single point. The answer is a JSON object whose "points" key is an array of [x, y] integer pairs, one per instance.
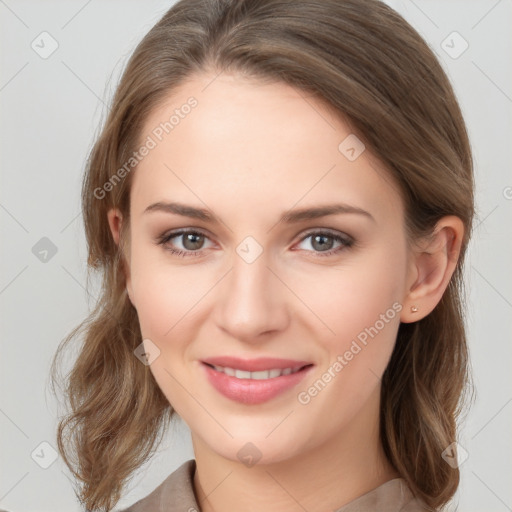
{"points": [[433, 262], [115, 221]]}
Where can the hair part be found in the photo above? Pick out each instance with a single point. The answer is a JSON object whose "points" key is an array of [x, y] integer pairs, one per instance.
{"points": [[364, 61]]}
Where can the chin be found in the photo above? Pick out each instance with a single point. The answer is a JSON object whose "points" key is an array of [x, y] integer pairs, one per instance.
{"points": [[251, 443]]}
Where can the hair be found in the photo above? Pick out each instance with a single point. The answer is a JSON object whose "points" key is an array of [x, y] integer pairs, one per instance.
{"points": [[375, 71]]}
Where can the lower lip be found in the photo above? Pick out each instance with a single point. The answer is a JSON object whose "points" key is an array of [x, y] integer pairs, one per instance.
{"points": [[252, 391]]}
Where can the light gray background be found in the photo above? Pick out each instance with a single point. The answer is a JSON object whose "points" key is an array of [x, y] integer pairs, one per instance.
{"points": [[51, 110]]}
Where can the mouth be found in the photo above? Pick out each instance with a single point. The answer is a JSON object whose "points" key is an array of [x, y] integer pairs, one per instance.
{"points": [[254, 381], [256, 375]]}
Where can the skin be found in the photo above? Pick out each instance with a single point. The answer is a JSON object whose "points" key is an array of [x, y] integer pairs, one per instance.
{"points": [[248, 152]]}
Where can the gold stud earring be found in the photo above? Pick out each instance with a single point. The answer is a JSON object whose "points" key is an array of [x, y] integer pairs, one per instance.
{"points": [[414, 309]]}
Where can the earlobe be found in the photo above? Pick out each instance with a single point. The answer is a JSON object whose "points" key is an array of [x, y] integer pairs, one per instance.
{"points": [[434, 262]]}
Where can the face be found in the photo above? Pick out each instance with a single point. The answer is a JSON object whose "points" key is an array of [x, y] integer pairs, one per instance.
{"points": [[274, 318]]}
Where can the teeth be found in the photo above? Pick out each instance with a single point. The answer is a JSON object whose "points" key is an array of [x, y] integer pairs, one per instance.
{"points": [[227, 371], [259, 375]]}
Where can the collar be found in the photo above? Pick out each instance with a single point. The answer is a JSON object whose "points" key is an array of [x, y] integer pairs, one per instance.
{"points": [[176, 494]]}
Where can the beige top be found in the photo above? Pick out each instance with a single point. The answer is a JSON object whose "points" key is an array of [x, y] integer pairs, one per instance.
{"points": [[176, 494]]}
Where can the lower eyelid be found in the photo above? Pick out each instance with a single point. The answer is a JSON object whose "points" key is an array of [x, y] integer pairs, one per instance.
{"points": [[345, 241], [166, 239]]}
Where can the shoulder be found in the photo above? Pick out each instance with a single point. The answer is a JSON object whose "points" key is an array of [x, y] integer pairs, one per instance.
{"points": [[392, 496], [411, 503], [176, 492]]}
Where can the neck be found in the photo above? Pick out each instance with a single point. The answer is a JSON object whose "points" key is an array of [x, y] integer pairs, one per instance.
{"points": [[327, 477]]}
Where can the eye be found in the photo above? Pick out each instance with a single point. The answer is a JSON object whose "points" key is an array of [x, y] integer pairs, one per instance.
{"points": [[323, 242], [192, 242]]}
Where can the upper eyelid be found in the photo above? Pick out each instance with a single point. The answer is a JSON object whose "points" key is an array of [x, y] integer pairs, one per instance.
{"points": [[309, 232]]}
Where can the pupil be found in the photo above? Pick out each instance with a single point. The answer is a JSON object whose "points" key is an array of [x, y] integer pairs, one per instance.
{"points": [[195, 240], [321, 246]]}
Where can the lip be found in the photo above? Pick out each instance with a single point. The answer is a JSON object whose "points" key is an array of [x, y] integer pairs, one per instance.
{"points": [[253, 391]]}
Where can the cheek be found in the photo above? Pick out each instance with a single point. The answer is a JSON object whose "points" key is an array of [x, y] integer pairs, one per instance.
{"points": [[350, 298], [362, 310], [163, 293], [165, 297]]}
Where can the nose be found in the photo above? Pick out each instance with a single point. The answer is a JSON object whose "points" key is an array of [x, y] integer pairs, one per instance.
{"points": [[252, 302]]}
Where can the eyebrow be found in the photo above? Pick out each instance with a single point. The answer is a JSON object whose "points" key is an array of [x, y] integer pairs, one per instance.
{"points": [[289, 216]]}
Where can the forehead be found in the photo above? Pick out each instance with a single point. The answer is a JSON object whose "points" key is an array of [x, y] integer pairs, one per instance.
{"points": [[251, 145]]}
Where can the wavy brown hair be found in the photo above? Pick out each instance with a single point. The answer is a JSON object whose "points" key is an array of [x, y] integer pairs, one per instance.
{"points": [[374, 70]]}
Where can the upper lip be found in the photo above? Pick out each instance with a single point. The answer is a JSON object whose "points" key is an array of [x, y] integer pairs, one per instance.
{"points": [[254, 365]]}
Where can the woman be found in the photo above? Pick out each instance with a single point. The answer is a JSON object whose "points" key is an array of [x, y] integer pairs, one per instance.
{"points": [[279, 204]]}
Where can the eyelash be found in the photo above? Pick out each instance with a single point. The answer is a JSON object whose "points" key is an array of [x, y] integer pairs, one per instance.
{"points": [[346, 241]]}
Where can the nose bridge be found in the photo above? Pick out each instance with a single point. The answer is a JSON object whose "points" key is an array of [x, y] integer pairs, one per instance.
{"points": [[252, 302]]}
